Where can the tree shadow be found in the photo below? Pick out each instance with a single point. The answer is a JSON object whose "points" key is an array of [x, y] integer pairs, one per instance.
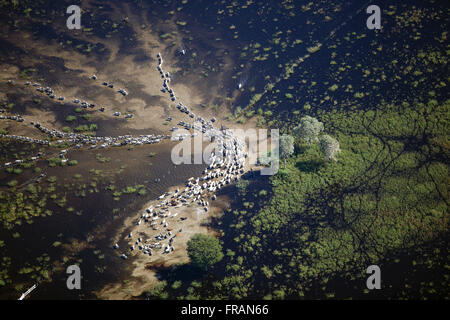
{"points": [[300, 148], [183, 272], [309, 165]]}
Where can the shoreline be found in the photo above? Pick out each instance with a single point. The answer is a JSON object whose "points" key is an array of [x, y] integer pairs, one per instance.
{"points": [[150, 108], [160, 224], [142, 276]]}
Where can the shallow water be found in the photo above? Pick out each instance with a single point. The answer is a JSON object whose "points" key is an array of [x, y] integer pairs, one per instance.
{"points": [[97, 222], [96, 225]]}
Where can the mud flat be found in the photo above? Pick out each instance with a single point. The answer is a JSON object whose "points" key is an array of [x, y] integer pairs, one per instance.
{"points": [[191, 219], [69, 73], [143, 276]]}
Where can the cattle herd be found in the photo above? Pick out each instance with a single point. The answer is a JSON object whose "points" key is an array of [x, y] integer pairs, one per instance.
{"points": [[225, 166]]}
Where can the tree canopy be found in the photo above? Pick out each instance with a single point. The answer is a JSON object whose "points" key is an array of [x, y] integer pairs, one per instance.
{"points": [[286, 147], [204, 251], [308, 129], [329, 147]]}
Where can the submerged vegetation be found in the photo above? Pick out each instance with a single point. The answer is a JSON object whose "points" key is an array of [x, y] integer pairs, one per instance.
{"points": [[365, 181], [324, 221], [380, 111]]}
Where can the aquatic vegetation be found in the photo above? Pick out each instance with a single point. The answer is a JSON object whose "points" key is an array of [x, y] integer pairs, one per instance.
{"points": [[61, 202], [102, 159], [375, 93], [157, 292], [56, 244], [319, 200], [140, 189], [40, 271], [12, 183], [51, 179], [242, 186], [18, 207], [4, 266], [289, 96], [85, 128], [70, 118], [314, 48]]}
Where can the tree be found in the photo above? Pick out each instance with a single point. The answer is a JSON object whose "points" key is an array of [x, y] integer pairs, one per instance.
{"points": [[204, 251], [286, 147], [308, 129], [329, 147]]}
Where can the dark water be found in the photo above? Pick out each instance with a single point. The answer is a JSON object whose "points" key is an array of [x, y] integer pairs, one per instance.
{"points": [[98, 220], [97, 223], [95, 217]]}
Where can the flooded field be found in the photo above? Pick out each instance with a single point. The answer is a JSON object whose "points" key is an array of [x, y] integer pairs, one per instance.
{"points": [[309, 231], [72, 212], [80, 230]]}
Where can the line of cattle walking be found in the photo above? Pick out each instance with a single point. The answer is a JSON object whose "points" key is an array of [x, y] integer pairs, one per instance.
{"points": [[84, 104], [225, 165]]}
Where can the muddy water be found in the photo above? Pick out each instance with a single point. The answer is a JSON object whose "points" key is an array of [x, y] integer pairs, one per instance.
{"points": [[86, 233]]}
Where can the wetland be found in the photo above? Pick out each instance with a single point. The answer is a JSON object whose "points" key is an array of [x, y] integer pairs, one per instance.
{"points": [[307, 232]]}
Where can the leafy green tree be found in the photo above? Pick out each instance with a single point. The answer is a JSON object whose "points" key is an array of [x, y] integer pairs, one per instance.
{"points": [[286, 147], [329, 147], [308, 129], [204, 251]]}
